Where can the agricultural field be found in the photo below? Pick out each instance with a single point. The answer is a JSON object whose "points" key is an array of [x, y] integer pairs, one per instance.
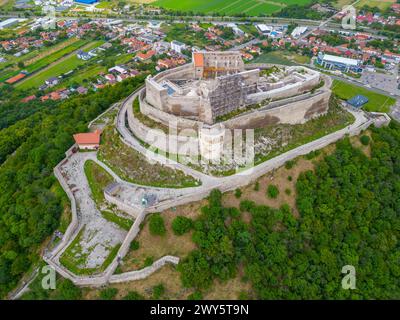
{"points": [[38, 59], [382, 5], [64, 65], [228, 7], [377, 102]]}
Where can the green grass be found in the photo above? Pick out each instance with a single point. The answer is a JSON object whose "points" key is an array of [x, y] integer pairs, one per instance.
{"points": [[45, 61], [69, 260], [65, 65], [228, 7], [274, 57], [382, 5], [105, 5], [98, 179], [124, 223], [377, 102], [132, 166]]}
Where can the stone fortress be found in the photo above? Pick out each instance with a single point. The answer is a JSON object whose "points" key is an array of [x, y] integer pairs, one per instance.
{"points": [[217, 91]]}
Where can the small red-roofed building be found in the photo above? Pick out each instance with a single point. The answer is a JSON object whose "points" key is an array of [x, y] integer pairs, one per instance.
{"points": [[88, 141], [29, 98]]}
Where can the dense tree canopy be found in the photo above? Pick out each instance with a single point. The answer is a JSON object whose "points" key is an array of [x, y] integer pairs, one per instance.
{"points": [[30, 210], [349, 215]]}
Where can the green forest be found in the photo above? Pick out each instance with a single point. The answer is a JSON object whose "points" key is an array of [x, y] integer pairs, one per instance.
{"points": [[349, 215], [29, 150]]}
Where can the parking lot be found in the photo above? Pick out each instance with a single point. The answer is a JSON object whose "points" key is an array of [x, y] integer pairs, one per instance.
{"points": [[386, 82], [395, 113]]}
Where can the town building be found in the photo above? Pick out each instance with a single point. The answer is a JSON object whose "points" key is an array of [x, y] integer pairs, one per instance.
{"points": [[298, 31], [88, 141], [339, 63], [87, 2], [177, 46]]}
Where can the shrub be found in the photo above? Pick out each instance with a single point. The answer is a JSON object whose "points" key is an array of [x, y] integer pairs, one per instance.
{"points": [[238, 193], [289, 164], [290, 178], [134, 245], [133, 295], [158, 291], [156, 225], [246, 205], [288, 191], [148, 262], [272, 191], [195, 296], [68, 291], [313, 154], [257, 186], [364, 140], [181, 225], [108, 293]]}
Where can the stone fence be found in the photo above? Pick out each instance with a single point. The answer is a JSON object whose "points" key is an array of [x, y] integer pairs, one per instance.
{"points": [[145, 272], [73, 226]]}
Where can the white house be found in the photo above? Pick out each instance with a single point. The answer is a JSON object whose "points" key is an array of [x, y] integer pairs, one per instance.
{"points": [[177, 46]]}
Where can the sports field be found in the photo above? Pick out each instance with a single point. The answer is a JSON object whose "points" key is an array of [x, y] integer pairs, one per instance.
{"points": [[377, 102], [228, 7]]}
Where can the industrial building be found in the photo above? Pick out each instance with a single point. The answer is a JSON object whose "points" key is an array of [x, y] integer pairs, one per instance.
{"points": [[339, 63]]}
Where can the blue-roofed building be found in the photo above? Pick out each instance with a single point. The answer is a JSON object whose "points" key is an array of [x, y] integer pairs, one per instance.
{"points": [[86, 1], [358, 101]]}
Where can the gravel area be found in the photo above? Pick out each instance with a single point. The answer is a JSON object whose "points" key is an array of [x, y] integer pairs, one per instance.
{"points": [[99, 235]]}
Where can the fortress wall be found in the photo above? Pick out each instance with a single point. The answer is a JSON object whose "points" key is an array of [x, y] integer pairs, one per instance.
{"points": [[163, 117], [186, 139], [183, 106], [291, 113], [156, 94], [284, 91]]}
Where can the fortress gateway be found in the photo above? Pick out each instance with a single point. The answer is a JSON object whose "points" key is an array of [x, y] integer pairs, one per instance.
{"points": [[218, 91]]}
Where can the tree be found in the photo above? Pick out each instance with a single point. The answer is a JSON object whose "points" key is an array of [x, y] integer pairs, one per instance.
{"points": [[238, 193], [272, 191], [134, 245], [364, 140], [133, 295], [156, 225], [108, 293], [158, 291], [181, 225]]}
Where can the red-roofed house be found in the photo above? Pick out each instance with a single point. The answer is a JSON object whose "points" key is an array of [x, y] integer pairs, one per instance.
{"points": [[29, 98], [16, 78], [145, 56], [88, 141]]}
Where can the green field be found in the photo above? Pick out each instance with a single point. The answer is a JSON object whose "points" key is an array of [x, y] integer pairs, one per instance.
{"points": [[228, 7], [48, 57], [377, 102], [382, 5], [274, 57], [69, 63]]}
